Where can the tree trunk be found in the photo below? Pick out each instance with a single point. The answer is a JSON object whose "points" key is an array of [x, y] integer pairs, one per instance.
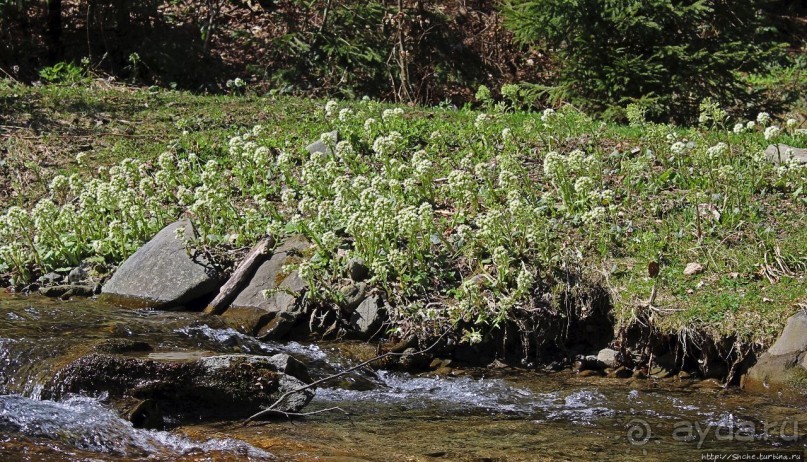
{"points": [[122, 18], [54, 30]]}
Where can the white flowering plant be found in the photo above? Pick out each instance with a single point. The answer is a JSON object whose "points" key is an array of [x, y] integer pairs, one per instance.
{"points": [[466, 220]]}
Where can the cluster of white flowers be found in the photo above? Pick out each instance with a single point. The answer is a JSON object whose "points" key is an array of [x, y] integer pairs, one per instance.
{"points": [[717, 151], [329, 138], [330, 108], [763, 118], [678, 148], [553, 165], [772, 132], [345, 114], [389, 115], [594, 215], [515, 202], [461, 185], [467, 194], [386, 146], [583, 185], [501, 257], [422, 166], [490, 225], [59, 184], [369, 124], [481, 120], [525, 280], [725, 172]]}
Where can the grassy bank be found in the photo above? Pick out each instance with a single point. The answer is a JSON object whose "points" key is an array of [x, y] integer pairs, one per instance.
{"points": [[467, 219]]}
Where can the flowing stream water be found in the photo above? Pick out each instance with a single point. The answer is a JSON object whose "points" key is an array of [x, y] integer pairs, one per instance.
{"points": [[473, 414]]}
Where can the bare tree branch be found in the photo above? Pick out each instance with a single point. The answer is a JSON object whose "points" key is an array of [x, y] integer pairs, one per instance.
{"points": [[271, 409]]}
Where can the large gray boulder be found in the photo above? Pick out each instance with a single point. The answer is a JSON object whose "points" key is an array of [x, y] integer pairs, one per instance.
{"points": [[780, 153], [271, 316], [161, 274], [784, 365]]}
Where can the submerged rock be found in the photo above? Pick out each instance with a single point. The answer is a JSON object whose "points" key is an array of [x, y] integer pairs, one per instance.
{"points": [[161, 274], [67, 291], [225, 385], [784, 365], [122, 345]]}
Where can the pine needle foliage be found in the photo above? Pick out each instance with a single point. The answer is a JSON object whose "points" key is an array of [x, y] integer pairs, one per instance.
{"points": [[665, 54]]}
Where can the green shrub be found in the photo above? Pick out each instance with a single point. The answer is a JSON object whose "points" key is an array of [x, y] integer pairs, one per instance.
{"points": [[63, 72], [666, 54]]}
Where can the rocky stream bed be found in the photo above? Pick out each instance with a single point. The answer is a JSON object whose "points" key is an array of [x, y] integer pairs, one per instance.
{"points": [[73, 374]]}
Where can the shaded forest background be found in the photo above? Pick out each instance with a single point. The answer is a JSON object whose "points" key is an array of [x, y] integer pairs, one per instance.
{"points": [[404, 50]]}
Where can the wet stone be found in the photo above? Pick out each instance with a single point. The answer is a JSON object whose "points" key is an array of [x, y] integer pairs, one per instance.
{"points": [[412, 360], [67, 291], [659, 372], [122, 345], [621, 373], [147, 414], [589, 373], [784, 365], [444, 371], [709, 384], [639, 374], [223, 385], [794, 336], [353, 294], [279, 326]]}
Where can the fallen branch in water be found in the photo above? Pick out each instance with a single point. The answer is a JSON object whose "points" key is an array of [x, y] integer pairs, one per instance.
{"points": [[289, 415], [271, 409]]}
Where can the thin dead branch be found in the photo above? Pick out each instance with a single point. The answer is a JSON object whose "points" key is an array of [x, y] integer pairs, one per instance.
{"points": [[272, 408]]}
